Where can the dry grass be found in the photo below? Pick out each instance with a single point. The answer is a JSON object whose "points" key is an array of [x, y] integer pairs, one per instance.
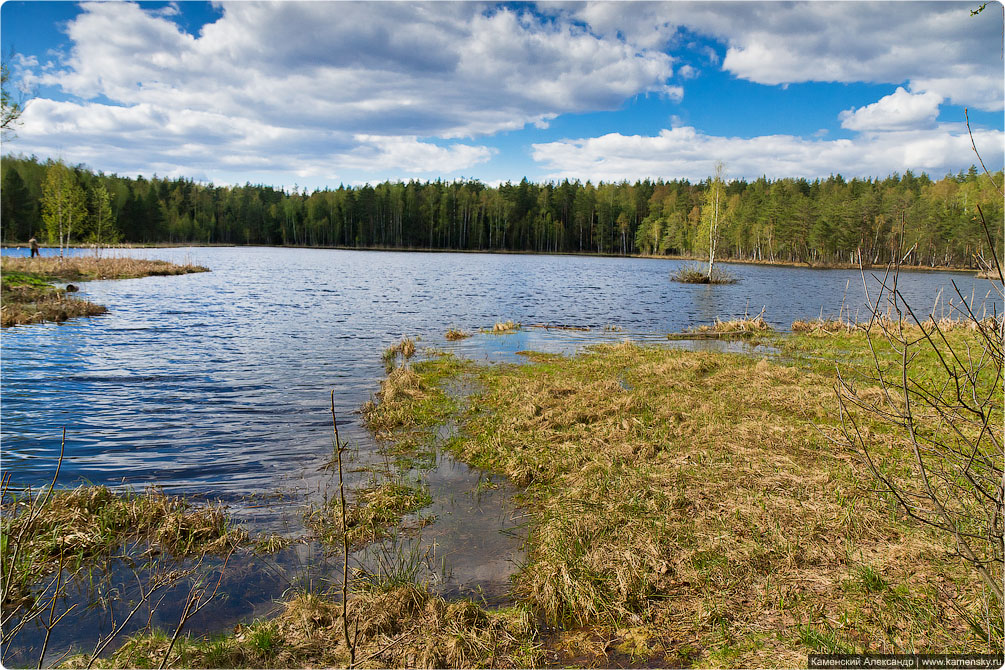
{"points": [[735, 327], [503, 328], [453, 334], [689, 507], [24, 305], [823, 326], [834, 326], [403, 627], [82, 268]]}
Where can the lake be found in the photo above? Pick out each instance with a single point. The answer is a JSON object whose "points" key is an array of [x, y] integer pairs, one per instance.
{"points": [[216, 385]]}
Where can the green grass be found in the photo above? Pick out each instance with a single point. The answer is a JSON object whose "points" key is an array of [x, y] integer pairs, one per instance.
{"points": [[709, 497]]}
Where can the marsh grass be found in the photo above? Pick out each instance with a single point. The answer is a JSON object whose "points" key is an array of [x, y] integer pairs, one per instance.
{"points": [[26, 304], [28, 296], [454, 334], [404, 350], [744, 327], [704, 506], [402, 626], [83, 268], [81, 526]]}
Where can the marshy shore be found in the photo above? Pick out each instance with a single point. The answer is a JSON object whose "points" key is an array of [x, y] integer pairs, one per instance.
{"points": [[688, 509], [29, 296]]}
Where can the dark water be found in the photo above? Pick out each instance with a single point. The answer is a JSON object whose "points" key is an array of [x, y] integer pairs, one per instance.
{"points": [[216, 385]]}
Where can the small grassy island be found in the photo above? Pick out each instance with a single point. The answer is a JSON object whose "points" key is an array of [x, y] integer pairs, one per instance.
{"points": [[28, 294]]}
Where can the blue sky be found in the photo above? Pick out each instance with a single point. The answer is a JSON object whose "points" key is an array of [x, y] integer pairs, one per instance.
{"points": [[321, 93]]}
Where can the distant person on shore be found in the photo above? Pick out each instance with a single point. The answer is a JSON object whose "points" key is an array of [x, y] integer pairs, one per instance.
{"points": [[33, 243]]}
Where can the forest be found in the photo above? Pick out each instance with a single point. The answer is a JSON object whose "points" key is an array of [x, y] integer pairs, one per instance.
{"points": [[819, 222]]}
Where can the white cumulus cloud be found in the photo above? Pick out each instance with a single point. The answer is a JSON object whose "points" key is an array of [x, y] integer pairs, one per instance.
{"points": [[353, 83], [936, 46], [685, 153], [898, 111]]}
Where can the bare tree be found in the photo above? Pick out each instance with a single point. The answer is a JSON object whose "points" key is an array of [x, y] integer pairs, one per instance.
{"points": [[951, 418], [12, 105]]}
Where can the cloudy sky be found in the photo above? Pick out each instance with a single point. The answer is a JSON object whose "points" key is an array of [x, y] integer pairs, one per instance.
{"points": [[318, 93]]}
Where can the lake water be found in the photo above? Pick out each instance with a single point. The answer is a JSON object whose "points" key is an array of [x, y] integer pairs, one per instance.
{"points": [[217, 384]]}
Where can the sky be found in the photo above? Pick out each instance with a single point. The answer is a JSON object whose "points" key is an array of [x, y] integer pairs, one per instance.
{"points": [[315, 94]]}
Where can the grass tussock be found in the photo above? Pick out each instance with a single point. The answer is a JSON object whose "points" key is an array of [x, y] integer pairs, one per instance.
{"points": [[83, 268], [690, 507], [401, 627], [91, 522], [503, 328], [454, 334], [404, 349], [694, 274], [411, 401], [745, 327]]}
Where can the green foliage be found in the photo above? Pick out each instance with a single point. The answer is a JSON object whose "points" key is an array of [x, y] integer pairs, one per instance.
{"points": [[787, 220], [102, 224], [63, 204]]}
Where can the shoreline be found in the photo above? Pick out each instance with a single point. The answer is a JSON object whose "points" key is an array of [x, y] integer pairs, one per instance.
{"points": [[504, 252], [29, 293], [629, 498]]}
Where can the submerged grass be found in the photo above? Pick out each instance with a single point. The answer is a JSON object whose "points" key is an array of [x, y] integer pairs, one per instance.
{"points": [[404, 349], [372, 512], [90, 523], [689, 506]]}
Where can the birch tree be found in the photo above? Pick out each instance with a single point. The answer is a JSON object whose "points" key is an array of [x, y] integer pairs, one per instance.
{"points": [[102, 224], [713, 213], [63, 204]]}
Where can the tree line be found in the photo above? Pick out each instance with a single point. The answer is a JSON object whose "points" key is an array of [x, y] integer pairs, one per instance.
{"points": [[784, 220]]}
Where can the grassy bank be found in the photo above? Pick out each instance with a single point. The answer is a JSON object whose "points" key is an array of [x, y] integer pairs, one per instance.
{"points": [[699, 508], [28, 296]]}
